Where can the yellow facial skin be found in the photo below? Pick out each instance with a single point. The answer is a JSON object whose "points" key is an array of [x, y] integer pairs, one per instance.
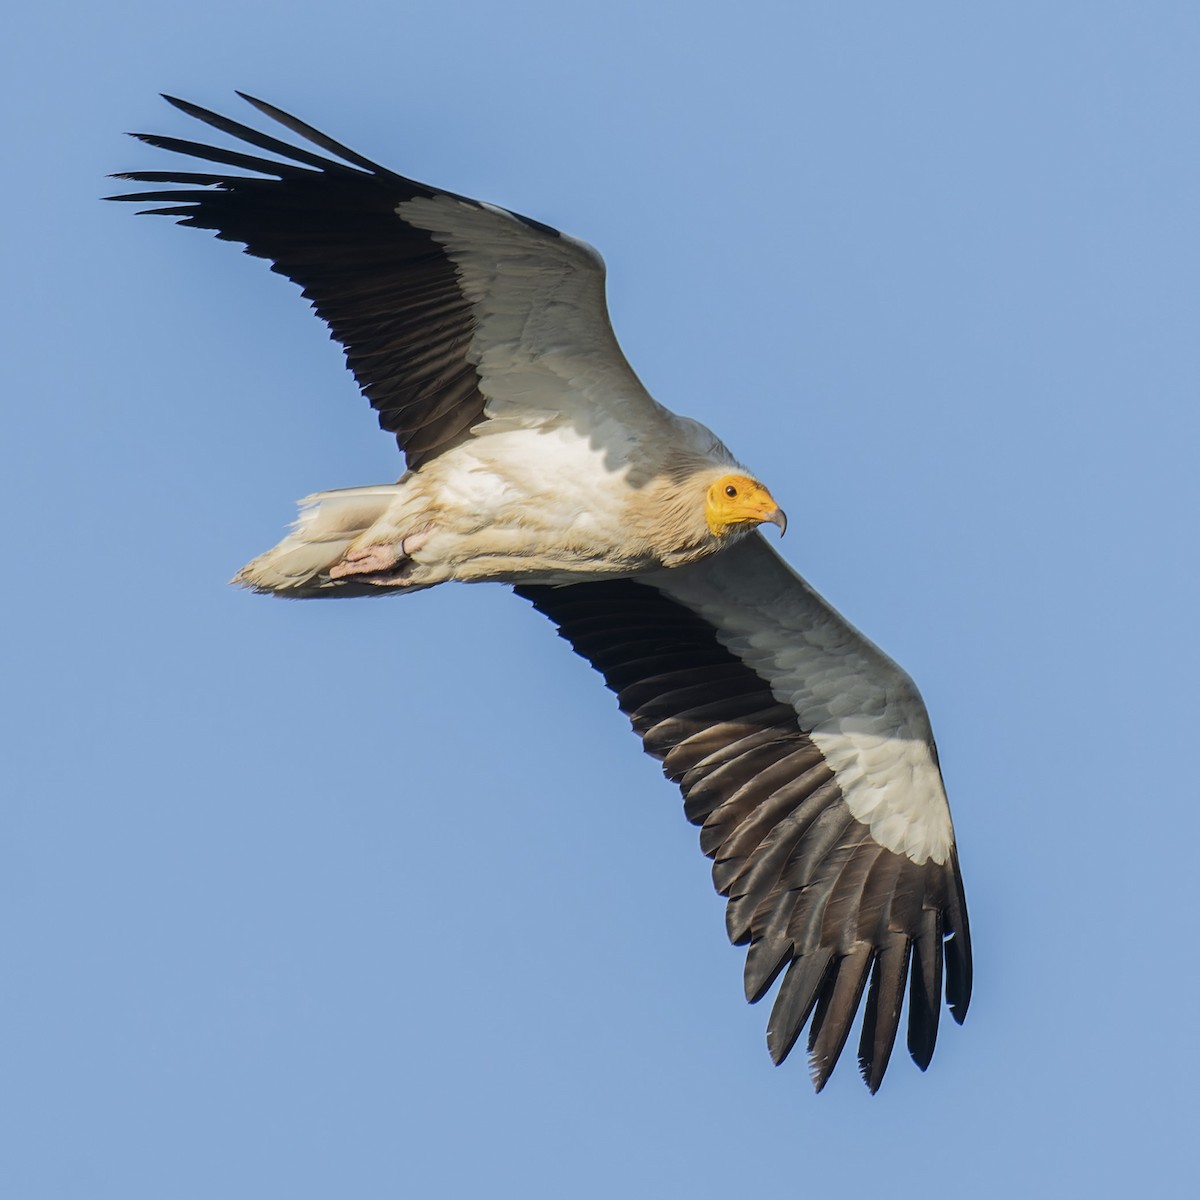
{"points": [[737, 501]]}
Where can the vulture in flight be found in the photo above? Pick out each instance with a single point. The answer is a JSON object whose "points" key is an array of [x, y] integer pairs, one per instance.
{"points": [[536, 458]]}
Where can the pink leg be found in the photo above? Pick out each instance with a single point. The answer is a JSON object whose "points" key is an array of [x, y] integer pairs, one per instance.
{"points": [[367, 561], [381, 560]]}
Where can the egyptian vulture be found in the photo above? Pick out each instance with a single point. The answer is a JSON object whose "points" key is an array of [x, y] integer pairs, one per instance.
{"points": [[536, 458]]}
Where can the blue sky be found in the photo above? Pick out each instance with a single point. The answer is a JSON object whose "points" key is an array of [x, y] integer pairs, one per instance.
{"points": [[380, 898]]}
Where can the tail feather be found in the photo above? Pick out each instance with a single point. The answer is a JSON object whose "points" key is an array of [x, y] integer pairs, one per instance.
{"points": [[328, 524]]}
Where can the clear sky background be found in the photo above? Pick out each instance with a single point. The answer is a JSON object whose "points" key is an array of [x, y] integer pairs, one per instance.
{"points": [[381, 899]]}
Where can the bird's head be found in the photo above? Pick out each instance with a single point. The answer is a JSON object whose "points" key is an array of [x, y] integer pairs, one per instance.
{"points": [[737, 502]]}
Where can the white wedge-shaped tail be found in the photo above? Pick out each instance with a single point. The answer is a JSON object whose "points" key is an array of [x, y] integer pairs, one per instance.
{"points": [[328, 526]]}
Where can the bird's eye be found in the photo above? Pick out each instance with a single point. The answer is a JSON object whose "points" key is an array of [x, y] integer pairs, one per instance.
{"points": [[731, 491]]}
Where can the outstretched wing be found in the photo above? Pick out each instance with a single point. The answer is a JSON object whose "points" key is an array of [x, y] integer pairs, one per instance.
{"points": [[450, 311], [805, 756]]}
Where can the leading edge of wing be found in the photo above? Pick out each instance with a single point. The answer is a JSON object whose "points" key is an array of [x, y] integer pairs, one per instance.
{"points": [[811, 890]]}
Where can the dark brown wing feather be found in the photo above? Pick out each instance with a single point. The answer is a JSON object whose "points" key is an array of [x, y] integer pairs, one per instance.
{"points": [[810, 890], [388, 290]]}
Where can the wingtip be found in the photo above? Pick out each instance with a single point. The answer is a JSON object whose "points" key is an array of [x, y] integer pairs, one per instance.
{"points": [[184, 106], [819, 1073], [921, 1054], [780, 1043], [264, 106], [959, 981], [872, 1072]]}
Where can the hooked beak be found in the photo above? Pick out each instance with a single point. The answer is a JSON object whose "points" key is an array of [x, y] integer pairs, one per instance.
{"points": [[778, 517]]}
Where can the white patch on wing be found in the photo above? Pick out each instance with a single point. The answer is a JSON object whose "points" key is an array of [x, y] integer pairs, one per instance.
{"points": [[862, 711]]}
